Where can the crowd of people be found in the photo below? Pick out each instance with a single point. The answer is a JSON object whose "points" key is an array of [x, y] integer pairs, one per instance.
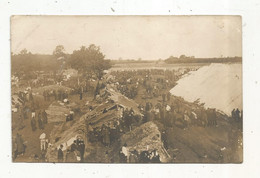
{"points": [[149, 87], [145, 156], [42, 120], [55, 94], [74, 154], [109, 132], [27, 108]]}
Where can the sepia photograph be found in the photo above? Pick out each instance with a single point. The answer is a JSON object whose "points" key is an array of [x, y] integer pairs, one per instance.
{"points": [[126, 89]]}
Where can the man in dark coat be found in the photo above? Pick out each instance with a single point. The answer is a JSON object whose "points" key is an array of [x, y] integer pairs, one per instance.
{"points": [[144, 157], [40, 123], [45, 118], [33, 124], [60, 154], [20, 149], [81, 149], [74, 146]]}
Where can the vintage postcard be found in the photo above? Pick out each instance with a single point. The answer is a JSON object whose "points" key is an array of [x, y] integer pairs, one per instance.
{"points": [[126, 89]]}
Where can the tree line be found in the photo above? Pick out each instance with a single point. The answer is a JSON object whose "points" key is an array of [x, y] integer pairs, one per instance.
{"points": [[88, 61], [192, 59]]}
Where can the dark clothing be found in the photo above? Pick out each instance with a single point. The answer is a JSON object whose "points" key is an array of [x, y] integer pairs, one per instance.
{"points": [[81, 149], [45, 118], [122, 157], [60, 155], [144, 157], [73, 147], [20, 146], [71, 117], [33, 124], [40, 123], [80, 96]]}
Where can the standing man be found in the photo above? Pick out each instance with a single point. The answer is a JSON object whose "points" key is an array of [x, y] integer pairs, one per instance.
{"points": [[33, 124], [71, 115], [60, 154], [20, 144], [43, 141], [45, 118], [81, 149], [40, 124]]}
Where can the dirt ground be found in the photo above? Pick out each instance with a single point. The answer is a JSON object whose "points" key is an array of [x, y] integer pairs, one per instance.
{"points": [[194, 144]]}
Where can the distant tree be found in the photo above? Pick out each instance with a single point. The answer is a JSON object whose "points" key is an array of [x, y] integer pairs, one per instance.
{"points": [[89, 61], [59, 51], [139, 59], [24, 51], [182, 56]]}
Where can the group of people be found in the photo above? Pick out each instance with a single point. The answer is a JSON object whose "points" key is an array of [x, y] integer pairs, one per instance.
{"points": [[107, 134], [145, 156], [56, 95], [74, 154], [42, 120], [178, 112], [128, 82], [70, 116]]}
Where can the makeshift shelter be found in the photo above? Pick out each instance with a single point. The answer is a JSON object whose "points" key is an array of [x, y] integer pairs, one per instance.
{"points": [[123, 100], [64, 134], [103, 114], [57, 110], [147, 137]]}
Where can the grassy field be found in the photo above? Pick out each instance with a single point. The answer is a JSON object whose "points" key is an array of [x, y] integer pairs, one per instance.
{"points": [[154, 65]]}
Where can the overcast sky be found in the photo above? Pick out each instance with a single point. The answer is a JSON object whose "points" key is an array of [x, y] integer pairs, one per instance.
{"points": [[130, 37]]}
